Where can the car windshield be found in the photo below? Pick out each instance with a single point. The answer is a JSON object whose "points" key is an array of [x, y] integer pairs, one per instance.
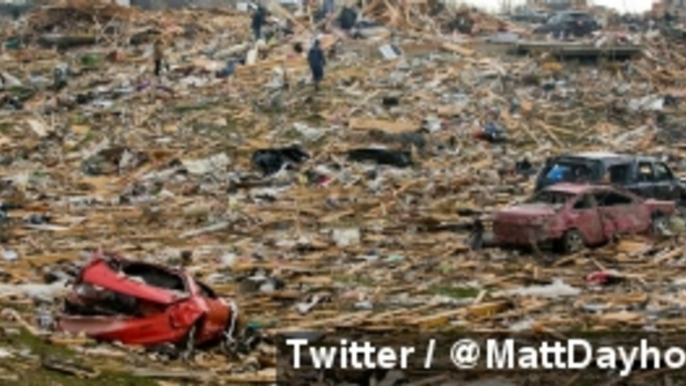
{"points": [[549, 197], [555, 19], [576, 16]]}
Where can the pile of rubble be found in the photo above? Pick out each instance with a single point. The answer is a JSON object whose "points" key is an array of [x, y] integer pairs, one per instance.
{"points": [[351, 207]]}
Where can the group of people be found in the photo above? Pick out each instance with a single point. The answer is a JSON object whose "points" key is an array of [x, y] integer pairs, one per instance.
{"points": [[315, 57]]}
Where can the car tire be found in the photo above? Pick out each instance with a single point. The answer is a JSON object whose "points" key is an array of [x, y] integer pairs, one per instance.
{"points": [[572, 242]]}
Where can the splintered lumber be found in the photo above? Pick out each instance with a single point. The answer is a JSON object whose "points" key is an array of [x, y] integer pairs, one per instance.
{"points": [[173, 374], [666, 256], [342, 320], [288, 62], [325, 243], [377, 124], [451, 47], [620, 317], [478, 310], [449, 111], [263, 376]]}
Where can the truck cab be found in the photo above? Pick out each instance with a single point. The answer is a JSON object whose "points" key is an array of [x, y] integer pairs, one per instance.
{"points": [[645, 176]]}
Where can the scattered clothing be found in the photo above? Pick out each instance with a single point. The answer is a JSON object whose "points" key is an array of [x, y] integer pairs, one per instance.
{"points": [[400, 159], [271, 161]]}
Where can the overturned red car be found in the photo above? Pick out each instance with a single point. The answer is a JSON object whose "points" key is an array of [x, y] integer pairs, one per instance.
{"points": [[571, 216], [116, 299]]}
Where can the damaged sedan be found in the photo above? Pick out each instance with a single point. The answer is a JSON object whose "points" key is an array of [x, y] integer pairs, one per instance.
{"points": [[116, 299], [571, 216]]}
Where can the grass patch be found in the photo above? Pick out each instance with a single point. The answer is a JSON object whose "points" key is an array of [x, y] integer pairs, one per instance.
{"points": [[31, 372], [6, 127]]}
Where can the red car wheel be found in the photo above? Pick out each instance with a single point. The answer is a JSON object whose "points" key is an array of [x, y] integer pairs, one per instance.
{"points": [[572, 242]]}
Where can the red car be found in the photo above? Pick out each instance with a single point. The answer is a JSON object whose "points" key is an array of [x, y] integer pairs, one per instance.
{"points": [[572, 216], [115, 299]]}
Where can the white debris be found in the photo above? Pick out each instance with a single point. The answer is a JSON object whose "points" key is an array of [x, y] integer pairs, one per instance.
{"points": [[557, 289], [206, 165], [346, 237]]}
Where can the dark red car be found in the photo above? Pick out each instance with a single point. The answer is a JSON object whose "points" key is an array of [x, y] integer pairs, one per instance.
{"points": [[572, 216], [117, 299]]}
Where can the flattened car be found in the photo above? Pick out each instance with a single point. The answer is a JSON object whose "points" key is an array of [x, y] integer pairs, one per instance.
{"points": [[571, 216], [116, 299]]}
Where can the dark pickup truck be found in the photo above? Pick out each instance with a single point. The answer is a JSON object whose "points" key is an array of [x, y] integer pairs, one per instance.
{"points": [[645, 176], [569, 23]]}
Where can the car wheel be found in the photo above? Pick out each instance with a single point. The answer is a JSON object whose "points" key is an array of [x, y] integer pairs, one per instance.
{"points": [[572, 242], [659, 224]]}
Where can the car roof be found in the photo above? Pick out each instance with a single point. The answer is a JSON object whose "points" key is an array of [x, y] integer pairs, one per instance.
{"points": [[604, 156], [579, 188], [569, 188], [599, 154], [573, 13]]}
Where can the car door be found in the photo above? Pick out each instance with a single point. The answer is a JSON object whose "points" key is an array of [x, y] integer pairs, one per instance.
{"points": [[619, 174], [569, 25], [620, 213], [584, 215], [665, 185], [645, 179]]}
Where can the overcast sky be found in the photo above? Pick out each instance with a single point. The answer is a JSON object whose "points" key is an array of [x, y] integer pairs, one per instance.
{"points": [[620, 5]]}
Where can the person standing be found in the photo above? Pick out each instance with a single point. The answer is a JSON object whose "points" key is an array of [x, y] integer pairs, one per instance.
{"points": [[158, 57], [316, 60], [258, 19]]}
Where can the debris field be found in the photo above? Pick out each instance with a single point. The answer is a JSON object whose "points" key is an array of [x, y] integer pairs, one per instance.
{"points": [[348, 207]]}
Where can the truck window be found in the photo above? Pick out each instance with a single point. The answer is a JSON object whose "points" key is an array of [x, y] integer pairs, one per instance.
{"points": [[568, 172], [619, 174], [605, 199], [662, 172], [645, 172]]}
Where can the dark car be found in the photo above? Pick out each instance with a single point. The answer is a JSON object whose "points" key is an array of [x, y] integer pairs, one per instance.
{"points": [[569, 23], [572, 216], [645, 176]]}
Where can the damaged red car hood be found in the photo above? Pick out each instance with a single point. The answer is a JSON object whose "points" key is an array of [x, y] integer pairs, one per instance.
{"points": [[100, 274]]}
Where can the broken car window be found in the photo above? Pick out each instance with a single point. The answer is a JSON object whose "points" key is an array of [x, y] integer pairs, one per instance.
{"points": [[584, 202], [645, 172], [154, 276], [550, 197], [662, 172], [612, 199], [569, 172]]}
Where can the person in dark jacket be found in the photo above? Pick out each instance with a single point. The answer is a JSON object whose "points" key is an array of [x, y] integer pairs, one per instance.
{"points": [[258, 19], [316, 60], [158, 56]]}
